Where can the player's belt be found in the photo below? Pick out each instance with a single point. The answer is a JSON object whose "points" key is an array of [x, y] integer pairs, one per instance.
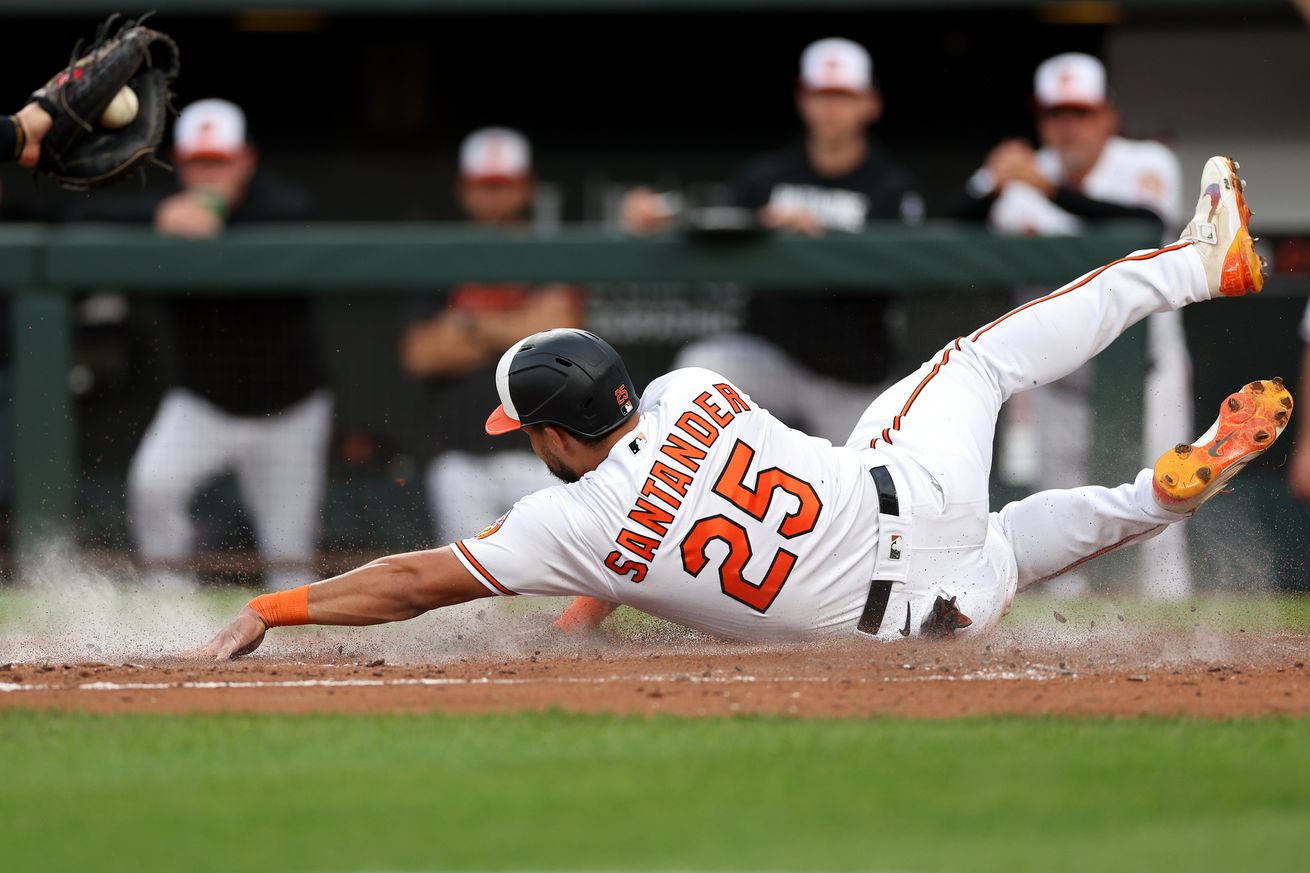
{"points": [[891, 551]]}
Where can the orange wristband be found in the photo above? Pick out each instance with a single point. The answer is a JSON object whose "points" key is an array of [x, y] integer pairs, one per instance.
{"points": [[584, 614], [283, 608]]}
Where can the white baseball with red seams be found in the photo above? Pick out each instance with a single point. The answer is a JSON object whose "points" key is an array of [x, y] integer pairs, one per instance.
{"points": [[714, 514]]}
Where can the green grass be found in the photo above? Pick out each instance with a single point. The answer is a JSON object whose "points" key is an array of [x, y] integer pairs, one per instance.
{"points": [[555, 792], [1253, 613]]}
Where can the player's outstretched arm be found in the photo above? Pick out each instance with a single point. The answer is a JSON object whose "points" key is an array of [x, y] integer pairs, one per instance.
{"points": [[393, 588]]}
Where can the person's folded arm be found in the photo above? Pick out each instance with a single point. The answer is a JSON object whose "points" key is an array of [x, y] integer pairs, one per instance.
{"points": [[1091, 209]]}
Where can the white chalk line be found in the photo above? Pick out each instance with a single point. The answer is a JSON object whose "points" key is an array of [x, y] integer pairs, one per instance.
{"points": [[430, 681]]}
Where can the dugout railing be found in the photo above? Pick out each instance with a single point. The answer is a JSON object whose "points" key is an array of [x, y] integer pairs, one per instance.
{"points": [[42, 268]]}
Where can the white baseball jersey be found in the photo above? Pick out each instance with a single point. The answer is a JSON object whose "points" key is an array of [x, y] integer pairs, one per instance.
{"points": [[1129, 172], [711, 513], [714, 514]]}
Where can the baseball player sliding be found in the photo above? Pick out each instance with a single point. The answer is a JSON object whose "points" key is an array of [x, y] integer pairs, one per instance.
{"points": [[695, 504]]}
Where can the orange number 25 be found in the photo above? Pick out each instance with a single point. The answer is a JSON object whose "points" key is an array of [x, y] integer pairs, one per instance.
{"points": [[755, 502]]}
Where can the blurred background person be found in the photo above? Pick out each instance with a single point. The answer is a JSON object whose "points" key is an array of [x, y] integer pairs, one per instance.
{"points": [[456, 342], [246, 391], [1085, 172], [1298, 469], [814, 359]]}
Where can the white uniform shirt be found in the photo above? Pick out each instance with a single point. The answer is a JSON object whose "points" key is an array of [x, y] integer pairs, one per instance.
{"points": [[711, 513], [1128, 172]]}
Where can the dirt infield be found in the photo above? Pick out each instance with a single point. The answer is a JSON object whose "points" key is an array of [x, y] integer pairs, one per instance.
{"points": [[1237, 676]]}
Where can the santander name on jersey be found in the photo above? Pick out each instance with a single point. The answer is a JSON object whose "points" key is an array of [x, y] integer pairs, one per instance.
{"points": [[671, 476], [710, 512]]}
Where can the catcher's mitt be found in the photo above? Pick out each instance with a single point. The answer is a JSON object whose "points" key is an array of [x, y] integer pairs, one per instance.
{"points": [[79, 152]]}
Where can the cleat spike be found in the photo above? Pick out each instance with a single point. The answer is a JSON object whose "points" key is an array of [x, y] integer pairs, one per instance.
{"points": [[1261, 436], [1234, 404], [1281, 417], [1203, 473], [1257, 387], [1183, 450], [1286, 401], [1278, 382], [1169, 480]]}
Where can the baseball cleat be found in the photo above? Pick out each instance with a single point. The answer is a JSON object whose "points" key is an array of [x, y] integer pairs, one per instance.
{"points": [[1249, 421], [1221, 233]]}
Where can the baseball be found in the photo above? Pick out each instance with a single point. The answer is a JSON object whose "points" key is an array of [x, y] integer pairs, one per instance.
{"points": [[122, 109]]}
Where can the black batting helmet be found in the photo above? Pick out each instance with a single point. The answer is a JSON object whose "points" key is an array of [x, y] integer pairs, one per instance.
{"points": [[566, 377]]}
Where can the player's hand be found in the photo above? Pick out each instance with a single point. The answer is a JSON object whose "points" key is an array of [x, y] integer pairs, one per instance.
{"points": [[1298, 475], [188, 215], [1005, 156], [36, 124], [583, 615], [1014, 160], [241, 637], [796, 220], [644, 211]]}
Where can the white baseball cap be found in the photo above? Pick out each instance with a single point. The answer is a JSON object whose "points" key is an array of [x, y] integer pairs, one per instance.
{"points": [[495, 154], [1071, 79], [836, 65], [209, 129]]}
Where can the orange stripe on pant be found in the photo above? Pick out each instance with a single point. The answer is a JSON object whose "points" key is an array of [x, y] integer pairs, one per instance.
{"points": [[946, 356], [1096, 554], [1089, 277]]}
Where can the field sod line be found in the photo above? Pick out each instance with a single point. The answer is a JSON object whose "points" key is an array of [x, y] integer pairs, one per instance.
{"points": [[428, 681]]}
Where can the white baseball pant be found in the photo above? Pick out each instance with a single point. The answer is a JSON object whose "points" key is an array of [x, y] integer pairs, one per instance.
{"points": [[280, 463], [1049, 438], [939, 423]]}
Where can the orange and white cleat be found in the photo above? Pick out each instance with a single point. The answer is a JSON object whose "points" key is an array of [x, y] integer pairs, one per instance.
{"points": [[1220, 229], [1249, 421]]}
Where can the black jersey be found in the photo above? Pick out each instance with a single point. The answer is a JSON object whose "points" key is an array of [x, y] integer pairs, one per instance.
{"points": [[252, 354], [249, 354], [845, 334]]}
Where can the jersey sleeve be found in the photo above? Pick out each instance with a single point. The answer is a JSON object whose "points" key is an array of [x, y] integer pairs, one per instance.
{"points": [[534, 549]]}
